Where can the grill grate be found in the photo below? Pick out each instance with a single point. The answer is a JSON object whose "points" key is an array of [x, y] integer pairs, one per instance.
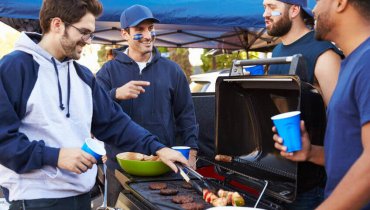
{"points": [[156, 201]]}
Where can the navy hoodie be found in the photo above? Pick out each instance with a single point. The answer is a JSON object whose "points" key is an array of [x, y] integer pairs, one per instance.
{"points": [[166, 108], [46, 105]]}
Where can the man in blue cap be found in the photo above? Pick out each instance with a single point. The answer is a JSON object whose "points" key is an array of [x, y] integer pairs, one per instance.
{"points": [[151, 89], [290, 20]]}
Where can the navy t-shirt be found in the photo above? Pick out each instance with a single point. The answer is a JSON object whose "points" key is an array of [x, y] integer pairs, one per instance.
{"points": [[310, 49], [348, 111]]}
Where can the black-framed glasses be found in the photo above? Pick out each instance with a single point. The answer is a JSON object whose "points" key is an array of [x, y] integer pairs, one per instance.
{"points": [[86, 36]]}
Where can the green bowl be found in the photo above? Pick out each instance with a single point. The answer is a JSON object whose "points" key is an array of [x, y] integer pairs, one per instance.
{"points": [[143, 168]]}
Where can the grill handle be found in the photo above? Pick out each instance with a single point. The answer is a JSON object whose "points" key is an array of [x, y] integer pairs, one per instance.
{"points": [[296, 63]]}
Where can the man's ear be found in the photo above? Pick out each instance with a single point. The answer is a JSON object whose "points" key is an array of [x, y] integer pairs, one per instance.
{"points": [[294, 11], [57, 25], [341, 5], [124, 34]]}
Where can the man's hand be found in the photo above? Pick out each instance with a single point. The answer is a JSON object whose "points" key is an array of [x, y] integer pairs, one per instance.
{"points": [[168, 156], [302, 155], [75, 160], [131, 90], [193, 158]]}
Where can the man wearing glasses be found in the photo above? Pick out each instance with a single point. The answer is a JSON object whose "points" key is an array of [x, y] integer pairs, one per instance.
{"points": [[50, 104]]}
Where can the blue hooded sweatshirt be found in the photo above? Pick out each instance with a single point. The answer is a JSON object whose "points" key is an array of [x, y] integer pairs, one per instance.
{"points": [[46, 105], [165, 109]]}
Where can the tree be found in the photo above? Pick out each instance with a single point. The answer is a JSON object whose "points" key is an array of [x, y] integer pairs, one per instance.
{"points": [[181, 57], [220, 61]]}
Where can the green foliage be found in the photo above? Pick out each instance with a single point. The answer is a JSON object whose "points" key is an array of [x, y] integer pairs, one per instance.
{"points": [[181, 57], [224, 61], [162, 49], [102, 55]]}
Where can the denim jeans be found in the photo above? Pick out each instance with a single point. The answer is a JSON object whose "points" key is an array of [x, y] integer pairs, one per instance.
{"points": [[307, 200], [79, 202]]}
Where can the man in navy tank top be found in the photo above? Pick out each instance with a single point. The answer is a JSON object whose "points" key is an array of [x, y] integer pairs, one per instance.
{"points": [[291, 20]]}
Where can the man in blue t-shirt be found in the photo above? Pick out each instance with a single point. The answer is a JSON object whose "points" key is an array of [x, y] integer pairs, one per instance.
{"points": [[289, 20], [346, 154]]}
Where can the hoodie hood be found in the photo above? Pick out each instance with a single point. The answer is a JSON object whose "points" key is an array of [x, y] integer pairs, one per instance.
{"points": [[28, 43], [119, 55]]}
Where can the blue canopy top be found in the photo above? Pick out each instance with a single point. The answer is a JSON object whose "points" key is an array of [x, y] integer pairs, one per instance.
{"points": [[226, 24]]}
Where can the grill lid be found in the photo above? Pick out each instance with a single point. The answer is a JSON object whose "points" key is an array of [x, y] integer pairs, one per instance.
{"points": [[244, 106]]}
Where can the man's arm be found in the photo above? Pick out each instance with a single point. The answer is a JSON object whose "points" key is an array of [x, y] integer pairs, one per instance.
{"points": [[130, 90], [17, 151], [353, 192], [326, 72]]}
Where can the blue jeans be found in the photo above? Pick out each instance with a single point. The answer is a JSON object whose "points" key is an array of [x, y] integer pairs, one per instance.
{"points": [[307, 200]]}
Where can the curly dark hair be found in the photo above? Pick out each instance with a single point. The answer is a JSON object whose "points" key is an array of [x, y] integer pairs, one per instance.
{"points": [[70, 11]]}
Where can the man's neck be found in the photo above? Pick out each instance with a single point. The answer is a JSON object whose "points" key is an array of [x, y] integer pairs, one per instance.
{"points": [[49, 46], [138, 57], [296, 32], [344, 35]]}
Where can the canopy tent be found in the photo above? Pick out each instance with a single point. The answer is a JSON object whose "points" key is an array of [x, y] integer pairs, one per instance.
{"points": [[216, 24]]}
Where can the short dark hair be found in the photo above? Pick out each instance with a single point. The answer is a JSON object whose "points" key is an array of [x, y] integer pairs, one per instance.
{"points": [[307, 19], [70, 11], [362, 6]]}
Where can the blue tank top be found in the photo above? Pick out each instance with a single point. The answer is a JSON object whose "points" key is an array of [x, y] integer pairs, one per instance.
{"points": [[309, 48]]}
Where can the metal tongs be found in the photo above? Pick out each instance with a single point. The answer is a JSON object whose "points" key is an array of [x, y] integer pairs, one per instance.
{"points": [[185, 170]]}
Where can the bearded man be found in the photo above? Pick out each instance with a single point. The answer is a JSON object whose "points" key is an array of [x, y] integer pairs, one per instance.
{"points": [[50, 104], [291, 21]]}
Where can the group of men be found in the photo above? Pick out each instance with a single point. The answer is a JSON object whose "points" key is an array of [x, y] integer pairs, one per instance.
{"points": [[140, 101]]}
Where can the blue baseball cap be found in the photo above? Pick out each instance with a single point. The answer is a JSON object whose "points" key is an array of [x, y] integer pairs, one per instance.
{"points": [[136, 14], [302, 4]]}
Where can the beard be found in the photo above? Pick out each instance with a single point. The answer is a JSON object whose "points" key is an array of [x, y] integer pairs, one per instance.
{"points": [[322, 26], [281, 27], [70, 47]]}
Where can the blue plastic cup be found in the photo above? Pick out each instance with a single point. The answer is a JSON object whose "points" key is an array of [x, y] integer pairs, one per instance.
{"points": [[288, 127], [183, 149], [94, 148]]}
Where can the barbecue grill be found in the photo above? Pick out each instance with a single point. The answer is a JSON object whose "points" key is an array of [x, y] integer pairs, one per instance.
{"points": [[244, 105]]}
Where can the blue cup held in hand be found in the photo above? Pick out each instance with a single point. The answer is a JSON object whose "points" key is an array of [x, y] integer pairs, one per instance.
{"points": [[183, 149], [94, 148], [288, 127]]}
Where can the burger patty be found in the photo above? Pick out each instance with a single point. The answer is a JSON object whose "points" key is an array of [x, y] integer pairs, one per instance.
{"points": [[181, 199], [186, 185], [157, 186], [169, 191], [192, 206]]}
